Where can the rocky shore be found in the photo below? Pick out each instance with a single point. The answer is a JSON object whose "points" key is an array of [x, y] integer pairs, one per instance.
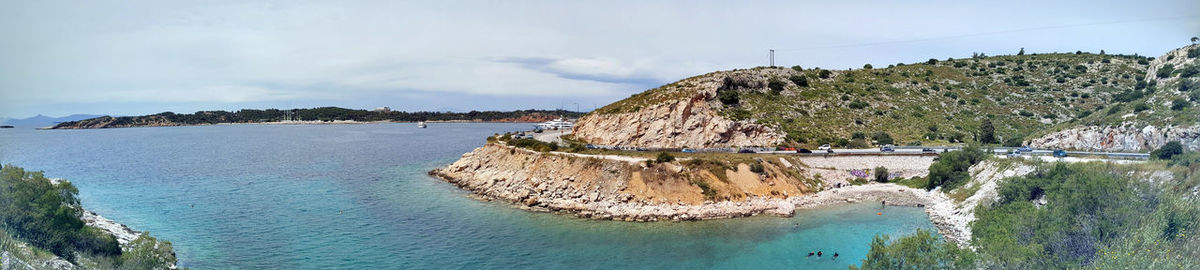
{"points": [[612, 189], [1119, 138]]}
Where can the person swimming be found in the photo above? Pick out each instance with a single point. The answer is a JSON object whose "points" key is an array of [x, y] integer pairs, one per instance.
{"points": [[835, 255], [810, 254], [818, 253]]}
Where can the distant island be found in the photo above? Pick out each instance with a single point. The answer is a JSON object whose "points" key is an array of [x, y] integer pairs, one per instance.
{"points": [[313, 115]]}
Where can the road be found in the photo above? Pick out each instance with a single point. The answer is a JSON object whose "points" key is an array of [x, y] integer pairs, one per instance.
{"points": [[554, 137]]}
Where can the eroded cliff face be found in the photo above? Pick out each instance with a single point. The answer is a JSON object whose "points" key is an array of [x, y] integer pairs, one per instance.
{"points": [[1119, 139], [683, 114], [621, 188]]}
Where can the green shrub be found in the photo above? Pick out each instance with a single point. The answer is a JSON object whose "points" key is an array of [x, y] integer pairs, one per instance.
{"points": [[949, 170], [1168, 150], [776, 85], [664, 157], [867, 66], [858, 104], [1166, 71], [1179, 104], [882, 138], [921, 250], [1189, 71], [756, 167], [728, 96], [799, 80], [1194, 52], [1140, 107], [881, 174], [824, 74]]}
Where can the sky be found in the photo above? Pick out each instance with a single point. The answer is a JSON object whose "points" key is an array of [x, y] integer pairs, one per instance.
{"points": [[137, 57]]}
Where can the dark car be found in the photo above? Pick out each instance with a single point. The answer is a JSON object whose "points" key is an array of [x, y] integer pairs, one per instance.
{"points": [[1060, 153], [803, 151], [1025, 149], [746, 151], [927, 150]]}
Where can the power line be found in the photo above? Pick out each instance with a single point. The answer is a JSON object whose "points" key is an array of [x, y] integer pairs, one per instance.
{"points": [[989, 33]]}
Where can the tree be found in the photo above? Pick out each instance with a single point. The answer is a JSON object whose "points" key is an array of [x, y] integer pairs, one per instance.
{"points": [[881, 174], [867, 66], [921, 250], [1021, 52], [776, 85], [987, 133], [1168, 150], [1195, 40]]}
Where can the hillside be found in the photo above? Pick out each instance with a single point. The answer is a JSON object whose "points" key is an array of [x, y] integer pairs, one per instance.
{"points": [[934, 102], [324, 114]]}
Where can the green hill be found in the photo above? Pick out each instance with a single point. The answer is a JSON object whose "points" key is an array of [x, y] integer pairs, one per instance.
{"points": [[941, 101]]}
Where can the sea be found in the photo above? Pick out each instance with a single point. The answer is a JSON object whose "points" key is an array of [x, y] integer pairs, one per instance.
{"points": [[357, 196]]}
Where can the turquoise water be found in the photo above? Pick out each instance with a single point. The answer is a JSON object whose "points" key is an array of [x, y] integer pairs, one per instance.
{"points": [[357, 196]]}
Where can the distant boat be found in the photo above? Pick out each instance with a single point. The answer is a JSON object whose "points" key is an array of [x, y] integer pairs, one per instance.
{"points": [[421, 124], [558, 123]]}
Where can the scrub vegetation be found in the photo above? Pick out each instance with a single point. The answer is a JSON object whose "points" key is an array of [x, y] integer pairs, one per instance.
{"points": [[1072, 216], [46, 216]]}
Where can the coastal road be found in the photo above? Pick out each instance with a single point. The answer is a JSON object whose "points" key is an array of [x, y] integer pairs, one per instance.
{"points": [[552, 136]]}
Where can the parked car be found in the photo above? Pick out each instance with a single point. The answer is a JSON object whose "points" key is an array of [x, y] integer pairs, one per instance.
{"points": [[642, 149], [825, 147], [887, 148], [590, 146], [1014, 153], [746, 151], [927, 150], [1060, 153], [803, 151], [1025, 148], [688, 150]]}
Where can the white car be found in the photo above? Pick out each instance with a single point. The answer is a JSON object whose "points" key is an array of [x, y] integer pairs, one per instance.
{"points": [[824, 147]]}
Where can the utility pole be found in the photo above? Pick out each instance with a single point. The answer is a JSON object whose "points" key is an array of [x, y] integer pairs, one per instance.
{"points": [[772, 57]]}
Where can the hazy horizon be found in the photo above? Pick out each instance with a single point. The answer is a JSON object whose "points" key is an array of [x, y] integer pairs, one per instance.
{"points": [[135, 58]]}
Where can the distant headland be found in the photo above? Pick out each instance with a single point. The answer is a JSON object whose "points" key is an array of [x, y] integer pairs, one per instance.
{"points": [[310, 116]]}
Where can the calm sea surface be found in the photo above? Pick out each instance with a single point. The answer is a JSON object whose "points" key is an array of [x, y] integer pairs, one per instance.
{"points": [[357, 197]]}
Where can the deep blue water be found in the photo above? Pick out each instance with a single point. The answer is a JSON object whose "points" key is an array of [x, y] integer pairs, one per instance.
{"points": [[357, 196]]}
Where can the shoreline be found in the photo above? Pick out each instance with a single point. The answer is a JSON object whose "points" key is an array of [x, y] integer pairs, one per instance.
{"points": [[301, 123], [933, 202]]}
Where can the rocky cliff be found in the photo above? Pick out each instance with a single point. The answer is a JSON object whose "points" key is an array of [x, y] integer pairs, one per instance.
{"points": [[683, 114], [1126, 138], [1155, 120]]}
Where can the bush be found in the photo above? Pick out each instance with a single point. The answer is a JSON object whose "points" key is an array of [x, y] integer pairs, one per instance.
{"points": [[1178, 104], [1088, 207], [824, 74], [1194, 52], [858, 104], [1140, 107], [1168, 150], [881, 174], [727, 96], [867, 66], [882, 138], [664, 157], [775, 85], [921, 250], [1189, 85], [1189, 71], [1025, 113], [1166, 71], [950, 169], [757, 167], [799, 80]]}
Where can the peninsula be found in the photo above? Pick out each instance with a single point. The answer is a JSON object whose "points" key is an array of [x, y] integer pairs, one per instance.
{"points": [[313, 115]]}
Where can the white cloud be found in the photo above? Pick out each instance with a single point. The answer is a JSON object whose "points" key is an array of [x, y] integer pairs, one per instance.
{"points": [[169, 52]]}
